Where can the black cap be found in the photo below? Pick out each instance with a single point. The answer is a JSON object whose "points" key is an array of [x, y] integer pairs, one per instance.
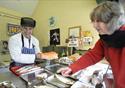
{"points": [[28, 22]]}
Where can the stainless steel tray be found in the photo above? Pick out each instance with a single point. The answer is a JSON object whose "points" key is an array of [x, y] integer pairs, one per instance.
{"points": [[53, 68], [59, 81]]}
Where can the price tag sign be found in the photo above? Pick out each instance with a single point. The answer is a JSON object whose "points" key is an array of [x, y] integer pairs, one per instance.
{"points": [[73, 42], [31, 77]]}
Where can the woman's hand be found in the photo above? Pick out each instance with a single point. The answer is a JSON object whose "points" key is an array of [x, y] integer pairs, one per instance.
{"points": [[65, 71]]}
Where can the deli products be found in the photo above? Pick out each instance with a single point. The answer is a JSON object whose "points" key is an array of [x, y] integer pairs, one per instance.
{"points": [[48, 55], [74, 57], [64, 79]]}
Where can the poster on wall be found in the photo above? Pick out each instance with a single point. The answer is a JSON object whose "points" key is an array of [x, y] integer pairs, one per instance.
{"points": [[74, 31], [13, 29], [52, 21], [55, 36]]}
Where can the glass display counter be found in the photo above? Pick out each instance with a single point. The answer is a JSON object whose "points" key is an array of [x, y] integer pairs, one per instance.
{"points": [[31, 80]]}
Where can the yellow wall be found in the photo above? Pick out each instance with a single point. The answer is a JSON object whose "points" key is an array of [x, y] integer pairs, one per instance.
{"points": [[5, 20], [68, 13]]}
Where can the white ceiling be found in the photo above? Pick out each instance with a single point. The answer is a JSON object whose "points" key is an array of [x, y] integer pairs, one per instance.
{"points": [[27, 6], [22, 6]]}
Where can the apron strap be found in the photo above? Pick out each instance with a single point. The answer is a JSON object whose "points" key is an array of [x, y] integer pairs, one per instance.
{"points": [[22, 40]]}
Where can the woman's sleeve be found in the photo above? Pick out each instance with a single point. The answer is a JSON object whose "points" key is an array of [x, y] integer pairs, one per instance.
{"points": [[89, 58]]}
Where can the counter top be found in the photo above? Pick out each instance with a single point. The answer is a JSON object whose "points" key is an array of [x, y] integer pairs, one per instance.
{"points": [[6, 75]]}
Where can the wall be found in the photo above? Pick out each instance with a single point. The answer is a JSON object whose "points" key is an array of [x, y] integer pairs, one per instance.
{"points": [[5, 20], [68, 13]]}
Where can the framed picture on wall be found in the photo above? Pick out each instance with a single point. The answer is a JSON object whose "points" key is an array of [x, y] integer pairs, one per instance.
{"points": [[13, 29], [55, 36], [75, 31]]}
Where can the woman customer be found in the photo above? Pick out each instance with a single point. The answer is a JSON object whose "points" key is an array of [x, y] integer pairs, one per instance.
{"points": [[111, 45]]}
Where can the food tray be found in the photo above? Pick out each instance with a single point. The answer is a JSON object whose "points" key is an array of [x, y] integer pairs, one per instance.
{"points": [[59, 81]]}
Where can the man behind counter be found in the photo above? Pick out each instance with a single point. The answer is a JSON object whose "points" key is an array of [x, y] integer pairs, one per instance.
{"points": [[24, 47]]}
